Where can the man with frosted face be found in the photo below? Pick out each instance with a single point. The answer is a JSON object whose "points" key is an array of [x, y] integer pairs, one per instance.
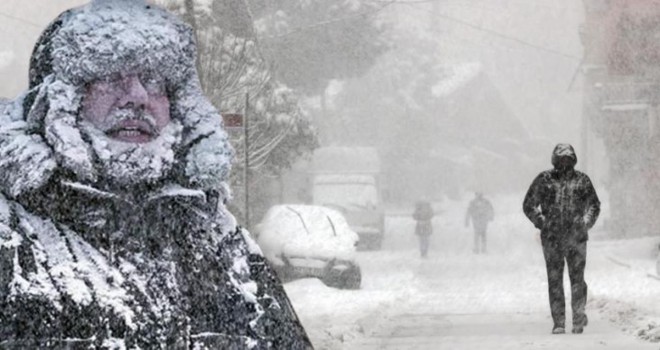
{"points": [[113, 227], [563, 204]]}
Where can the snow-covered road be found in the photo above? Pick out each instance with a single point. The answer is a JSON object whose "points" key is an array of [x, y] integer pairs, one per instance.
{"points": [[457, 300]]}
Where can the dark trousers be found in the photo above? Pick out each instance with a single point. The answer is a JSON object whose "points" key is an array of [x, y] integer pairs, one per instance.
{"points": [[479, 240], [423, 244], [575, 256]]}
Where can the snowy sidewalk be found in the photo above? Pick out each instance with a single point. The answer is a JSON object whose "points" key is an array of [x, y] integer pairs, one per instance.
{"points": [[491, 331], [467, 301]]}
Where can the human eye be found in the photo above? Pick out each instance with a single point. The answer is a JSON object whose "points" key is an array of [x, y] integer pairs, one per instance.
{"points": [[111, 79], [104, 84], [154, 86]]}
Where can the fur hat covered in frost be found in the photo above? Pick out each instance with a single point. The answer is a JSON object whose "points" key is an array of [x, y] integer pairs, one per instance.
{"points": [[40, 131]]}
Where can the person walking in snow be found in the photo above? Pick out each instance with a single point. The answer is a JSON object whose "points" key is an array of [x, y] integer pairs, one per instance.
{"points": [[480, 212], [114, 231], [423, 215], [563, 204]]}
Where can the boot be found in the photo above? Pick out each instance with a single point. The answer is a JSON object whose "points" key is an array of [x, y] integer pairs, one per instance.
{"points": [[579, 323], [558, 329]]}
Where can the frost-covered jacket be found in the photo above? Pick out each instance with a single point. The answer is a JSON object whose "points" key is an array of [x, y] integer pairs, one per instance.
{"points": [[562, 203], [83, 267], [162, 266]]}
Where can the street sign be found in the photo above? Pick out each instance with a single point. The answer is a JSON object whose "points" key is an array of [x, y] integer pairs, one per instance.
{"points": [[232, 121]]}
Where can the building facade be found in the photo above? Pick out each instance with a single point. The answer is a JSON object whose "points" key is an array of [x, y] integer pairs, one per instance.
{"points": [[621, 66]]}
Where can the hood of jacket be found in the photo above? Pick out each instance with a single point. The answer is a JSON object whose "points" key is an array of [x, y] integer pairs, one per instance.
{"points": [[39, 130], [563, 150]]}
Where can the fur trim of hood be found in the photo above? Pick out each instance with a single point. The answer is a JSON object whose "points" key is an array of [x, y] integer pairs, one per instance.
{"points": [[39, 131]]}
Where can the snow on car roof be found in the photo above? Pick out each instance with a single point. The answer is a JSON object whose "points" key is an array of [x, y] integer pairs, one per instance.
{"points": [[306, 231]]}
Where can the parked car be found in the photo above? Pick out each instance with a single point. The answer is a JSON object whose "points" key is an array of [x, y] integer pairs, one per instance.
{"points": [[310, 241]]}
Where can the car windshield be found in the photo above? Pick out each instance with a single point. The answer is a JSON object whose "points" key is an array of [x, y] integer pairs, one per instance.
{"points": [[305, 224]]}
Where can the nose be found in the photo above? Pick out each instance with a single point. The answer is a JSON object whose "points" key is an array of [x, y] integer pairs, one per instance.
{"points": [[135, 94]]}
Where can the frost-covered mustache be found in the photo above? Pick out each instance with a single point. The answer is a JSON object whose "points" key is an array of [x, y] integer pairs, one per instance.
{"points": [[129, 118]]}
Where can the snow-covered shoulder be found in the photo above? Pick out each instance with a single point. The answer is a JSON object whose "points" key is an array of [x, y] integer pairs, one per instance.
{"points": [[18, 144]]}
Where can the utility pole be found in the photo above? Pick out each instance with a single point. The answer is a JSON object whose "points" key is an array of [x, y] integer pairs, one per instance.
{"points": [[246, 145]]}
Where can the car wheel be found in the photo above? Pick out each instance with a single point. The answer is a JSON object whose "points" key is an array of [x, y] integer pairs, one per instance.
{"points": [[369, 244], [377, 243], [333, 279], [351, 278]]}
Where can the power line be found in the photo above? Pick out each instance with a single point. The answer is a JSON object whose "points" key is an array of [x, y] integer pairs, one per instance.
{"points": [[457, 3], [497, 34], [514, 39], [335, 20], [6, 15]]}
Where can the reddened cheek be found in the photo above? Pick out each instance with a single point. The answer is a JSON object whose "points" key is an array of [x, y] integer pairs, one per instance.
{"points": [[97, 103], [95, 110], [159, 107]]}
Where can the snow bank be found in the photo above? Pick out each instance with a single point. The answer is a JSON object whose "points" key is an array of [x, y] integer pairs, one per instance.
{"points": [[626, 291], [333, 317]]}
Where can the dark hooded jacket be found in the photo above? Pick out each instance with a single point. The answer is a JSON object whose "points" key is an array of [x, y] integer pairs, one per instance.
{"points": [[162, 265], [423, 215], [562, 202], [481, 212]]}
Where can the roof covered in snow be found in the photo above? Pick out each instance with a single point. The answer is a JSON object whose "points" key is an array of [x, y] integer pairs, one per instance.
{"points": [[456, 76]]}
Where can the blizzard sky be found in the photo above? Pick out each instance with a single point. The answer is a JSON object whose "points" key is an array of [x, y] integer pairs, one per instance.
{"points": [[534, 81], [530, 50], [21, 22], [530, 66]]}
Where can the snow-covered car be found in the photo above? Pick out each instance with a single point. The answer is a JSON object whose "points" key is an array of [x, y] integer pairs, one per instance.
{"points": [[310, 241]]}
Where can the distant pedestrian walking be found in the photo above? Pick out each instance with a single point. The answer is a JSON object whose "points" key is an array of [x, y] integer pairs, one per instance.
{"points": [[563, 204], [423, 228], [480, 212]]}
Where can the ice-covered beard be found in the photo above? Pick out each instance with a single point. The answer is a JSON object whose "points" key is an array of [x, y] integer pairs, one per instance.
{"points": [[126, 163]]}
